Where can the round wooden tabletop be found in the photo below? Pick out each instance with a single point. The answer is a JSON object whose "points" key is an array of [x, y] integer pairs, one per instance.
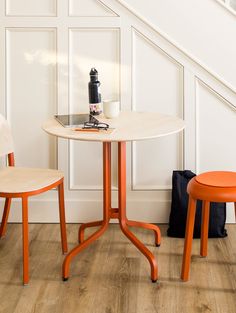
{"points": [[128, 126]]}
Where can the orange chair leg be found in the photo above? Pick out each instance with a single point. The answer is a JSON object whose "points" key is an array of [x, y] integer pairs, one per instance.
{"points": [[122, 211], [204, 227], [188, 239], [25, 238], [153, 227], [86, 225], [5, 217], [62, 217], [106, 214]]}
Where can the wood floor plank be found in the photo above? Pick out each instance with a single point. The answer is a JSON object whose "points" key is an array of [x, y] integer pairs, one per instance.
{"points": [[112, 276], [221, 260]]}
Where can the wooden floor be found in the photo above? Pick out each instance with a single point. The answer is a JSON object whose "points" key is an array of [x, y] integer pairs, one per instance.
{"points": [[112, 276]]}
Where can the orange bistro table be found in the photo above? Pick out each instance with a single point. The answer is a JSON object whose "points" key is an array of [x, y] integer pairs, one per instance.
{"points": [[129, 126]]}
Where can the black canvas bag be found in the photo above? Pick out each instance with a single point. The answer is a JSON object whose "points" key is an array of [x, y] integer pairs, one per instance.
{"points": [[179, 207]]}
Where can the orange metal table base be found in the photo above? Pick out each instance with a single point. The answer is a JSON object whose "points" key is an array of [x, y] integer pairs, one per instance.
{"points": [[119, 213], [155, 228]]}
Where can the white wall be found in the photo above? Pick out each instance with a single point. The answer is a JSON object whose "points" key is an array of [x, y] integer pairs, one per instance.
{"points": [[203, 28], [48, 52]]}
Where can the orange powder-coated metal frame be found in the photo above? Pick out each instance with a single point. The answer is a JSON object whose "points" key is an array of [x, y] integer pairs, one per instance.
{"points": [[24, 196], [119, 213], [198, 191]]}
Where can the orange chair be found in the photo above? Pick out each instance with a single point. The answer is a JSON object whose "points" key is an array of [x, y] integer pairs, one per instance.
{"points": [[16, 182], [209, 187]]}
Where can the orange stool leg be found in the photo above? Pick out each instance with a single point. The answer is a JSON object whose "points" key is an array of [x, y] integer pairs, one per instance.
{"points": [[5, 216], [86, 225], [188, 239], [25, 238], [153, 227], [204, 227], [122, 211], [62, 217]]}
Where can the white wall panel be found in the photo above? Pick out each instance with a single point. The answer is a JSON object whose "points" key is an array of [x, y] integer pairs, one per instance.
{"points": [[88, 8], [85, 165], [157, 87], [216, 129], [89, 48], [203, 29], [31, 7], [31, 93], [47, 51]]}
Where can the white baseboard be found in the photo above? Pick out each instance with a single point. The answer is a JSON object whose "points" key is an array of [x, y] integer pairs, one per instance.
{"points": [[46, 211]]}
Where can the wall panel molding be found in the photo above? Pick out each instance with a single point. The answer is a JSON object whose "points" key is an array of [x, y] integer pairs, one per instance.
{"points": [[85, 52], [173, 43], [218, 123], [54, 52], [154, 81], [90, 8], [30, 8], [31, 52], [226, 7]]}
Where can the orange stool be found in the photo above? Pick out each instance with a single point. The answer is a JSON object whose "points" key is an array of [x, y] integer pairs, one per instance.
{"points": [[209, 187]]}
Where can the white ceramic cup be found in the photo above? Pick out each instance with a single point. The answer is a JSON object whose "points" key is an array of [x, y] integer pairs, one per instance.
{"points": [[111, 108]]}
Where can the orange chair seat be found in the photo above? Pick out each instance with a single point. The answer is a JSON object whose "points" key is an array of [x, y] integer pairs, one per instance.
{"points": [[15, 180]]}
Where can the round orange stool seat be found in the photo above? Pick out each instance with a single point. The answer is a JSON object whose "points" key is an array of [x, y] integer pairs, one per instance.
{"points": [[209, 187], [217, 179]]}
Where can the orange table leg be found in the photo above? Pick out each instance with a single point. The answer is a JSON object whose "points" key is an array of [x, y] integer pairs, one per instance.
{"points": [[87, 225], [204, 227], [106, 214], [122, 211], [108, 191], [109, 213], [188, 239], [153, 227]]}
